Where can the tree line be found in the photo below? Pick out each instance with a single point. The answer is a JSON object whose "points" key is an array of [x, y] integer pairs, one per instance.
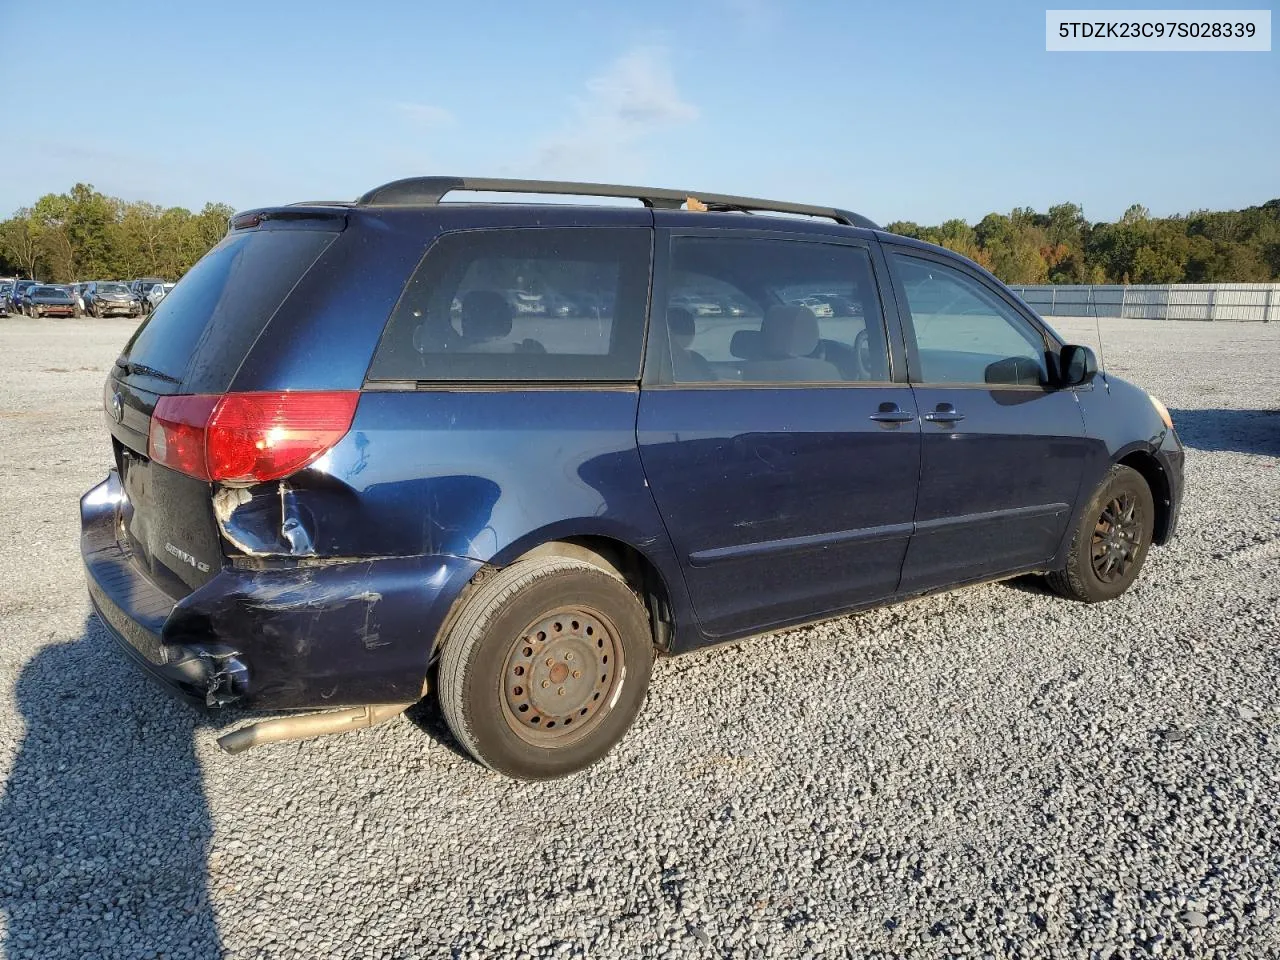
{"points": [[1061, 246], [84, 235]]}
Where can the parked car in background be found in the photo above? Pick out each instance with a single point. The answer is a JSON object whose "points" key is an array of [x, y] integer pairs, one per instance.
{"points": [[77, 291], [47, 300], [140, 287], [818, 306], [111, 298], [320, 501], [526, 302], [700, 305], [155, 293], [18, 299], [6, 298]]}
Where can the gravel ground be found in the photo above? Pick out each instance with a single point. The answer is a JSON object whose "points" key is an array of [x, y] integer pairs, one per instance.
{"points": [[993, 772]]}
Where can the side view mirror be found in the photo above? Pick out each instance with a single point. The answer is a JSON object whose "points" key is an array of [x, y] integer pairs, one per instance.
{"points": [[1077, 365]]}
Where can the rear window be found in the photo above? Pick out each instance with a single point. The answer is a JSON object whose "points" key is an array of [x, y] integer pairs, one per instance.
{"points": [[522, 304], [199, 334]]}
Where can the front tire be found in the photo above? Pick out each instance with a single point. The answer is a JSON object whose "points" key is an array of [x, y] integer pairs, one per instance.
{"points": [[545, 667], [1111, 540]]}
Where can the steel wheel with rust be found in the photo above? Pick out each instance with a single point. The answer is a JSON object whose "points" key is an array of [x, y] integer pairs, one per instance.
{"points": [[545, 667], [1110, 541]]}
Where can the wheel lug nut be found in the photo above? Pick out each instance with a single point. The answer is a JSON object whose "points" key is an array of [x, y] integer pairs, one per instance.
{"points": [[577, 674], [561, 691], [545, 684], [569, 655], [551, 661]]}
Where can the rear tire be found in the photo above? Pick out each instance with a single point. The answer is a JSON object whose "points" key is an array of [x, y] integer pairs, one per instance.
{"points": [[545, 667], [1111, 540]]}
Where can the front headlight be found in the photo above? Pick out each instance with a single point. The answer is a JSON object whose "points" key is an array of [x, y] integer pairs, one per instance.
{"points": [[1162, 410]]}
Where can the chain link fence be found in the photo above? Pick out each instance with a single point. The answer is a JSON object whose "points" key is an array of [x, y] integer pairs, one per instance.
{"points": [[1164, 301]]}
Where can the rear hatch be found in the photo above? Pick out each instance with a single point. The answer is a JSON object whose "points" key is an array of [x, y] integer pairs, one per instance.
{"points": [[193, 343]]}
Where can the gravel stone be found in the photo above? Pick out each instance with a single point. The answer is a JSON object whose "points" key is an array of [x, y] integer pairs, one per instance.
{"points": [[981, 773]]}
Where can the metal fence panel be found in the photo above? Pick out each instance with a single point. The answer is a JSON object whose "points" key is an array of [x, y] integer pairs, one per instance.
{"points": [[1165, 301]]}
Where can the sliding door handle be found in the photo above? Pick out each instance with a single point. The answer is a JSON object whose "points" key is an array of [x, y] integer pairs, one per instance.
{"points": [[891, 413], [945, 413]]}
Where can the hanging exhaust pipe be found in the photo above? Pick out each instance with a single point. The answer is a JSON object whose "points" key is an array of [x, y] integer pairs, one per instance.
{"points": [[310, 725]]}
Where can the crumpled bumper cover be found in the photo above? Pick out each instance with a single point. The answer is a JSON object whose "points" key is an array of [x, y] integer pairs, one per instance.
{"points": [[289, 635]]}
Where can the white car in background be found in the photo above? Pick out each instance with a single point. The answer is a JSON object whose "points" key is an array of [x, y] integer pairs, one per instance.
{"points": [[154, 295]]}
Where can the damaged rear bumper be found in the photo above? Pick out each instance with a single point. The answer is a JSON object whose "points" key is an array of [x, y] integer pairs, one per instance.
{"points": [[192, 674], [295, 634]]}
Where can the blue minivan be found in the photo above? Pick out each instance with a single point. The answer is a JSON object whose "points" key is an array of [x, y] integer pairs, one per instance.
{"points": [[509, 452]]}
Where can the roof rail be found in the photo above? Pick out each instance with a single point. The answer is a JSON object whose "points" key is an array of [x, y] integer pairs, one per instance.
{"points": [[428, 191]]}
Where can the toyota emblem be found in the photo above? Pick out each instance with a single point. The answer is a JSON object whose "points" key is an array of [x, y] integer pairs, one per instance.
{"points": [[117, 406]]}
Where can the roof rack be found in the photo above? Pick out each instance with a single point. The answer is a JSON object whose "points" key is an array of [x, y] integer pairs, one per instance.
{"points": [[428, 191]]}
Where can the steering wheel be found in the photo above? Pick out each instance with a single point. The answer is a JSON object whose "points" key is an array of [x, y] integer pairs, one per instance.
{"points": [[862, 355]]}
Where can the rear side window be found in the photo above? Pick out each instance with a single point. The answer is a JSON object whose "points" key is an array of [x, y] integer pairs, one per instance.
{"points": [[200, 333], [522, 304], [772, 311]]}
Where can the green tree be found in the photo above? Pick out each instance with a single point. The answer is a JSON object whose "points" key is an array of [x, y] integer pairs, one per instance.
{"points": [[20, 241]]}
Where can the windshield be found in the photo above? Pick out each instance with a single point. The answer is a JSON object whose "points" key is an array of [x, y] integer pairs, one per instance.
{"points": [[112, 288], [47, 292]]}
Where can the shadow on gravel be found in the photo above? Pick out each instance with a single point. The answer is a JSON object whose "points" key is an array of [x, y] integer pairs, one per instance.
{"points": [[426, 716], [1030, 583], [104, 829], [1237, 431]]}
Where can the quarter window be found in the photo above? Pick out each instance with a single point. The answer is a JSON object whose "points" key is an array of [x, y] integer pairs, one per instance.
{"points": [[757, 310], [964, 332], [522, 304]]}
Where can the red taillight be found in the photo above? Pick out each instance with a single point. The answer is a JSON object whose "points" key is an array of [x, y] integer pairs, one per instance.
{"points": [[248, 437], [177, 436]]}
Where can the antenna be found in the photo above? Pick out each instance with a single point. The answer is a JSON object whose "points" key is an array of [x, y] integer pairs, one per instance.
{"points": [[1097, 326]]}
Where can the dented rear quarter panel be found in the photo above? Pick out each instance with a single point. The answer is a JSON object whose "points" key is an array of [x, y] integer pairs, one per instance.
{"points": [[481, 474], [332, 634]]}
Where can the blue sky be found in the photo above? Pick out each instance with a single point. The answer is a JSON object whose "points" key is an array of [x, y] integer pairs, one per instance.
{"points": [[908, 110]]}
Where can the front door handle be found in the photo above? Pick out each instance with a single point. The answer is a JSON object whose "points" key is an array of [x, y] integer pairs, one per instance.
{"points": [[891, 413], [944, 413]]}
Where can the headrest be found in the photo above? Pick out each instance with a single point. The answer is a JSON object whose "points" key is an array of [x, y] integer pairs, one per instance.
{"points": [[680, 322], [789, 330], [486, 315], [745, 345]]}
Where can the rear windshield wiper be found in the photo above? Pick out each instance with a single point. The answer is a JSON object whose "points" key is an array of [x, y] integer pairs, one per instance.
{"points": [[128, 366]]}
